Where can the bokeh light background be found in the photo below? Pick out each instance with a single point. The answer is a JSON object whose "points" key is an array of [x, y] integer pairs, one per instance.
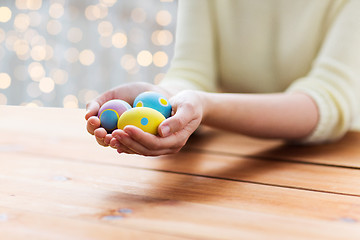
{"points": [[62, 53]]}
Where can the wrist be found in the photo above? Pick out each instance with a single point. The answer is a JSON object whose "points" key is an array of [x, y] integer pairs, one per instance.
{"points": [[203, 99]]}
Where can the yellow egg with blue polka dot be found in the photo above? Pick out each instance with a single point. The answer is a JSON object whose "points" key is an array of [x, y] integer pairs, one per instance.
{"points": [[153, 100], [147, 119]]}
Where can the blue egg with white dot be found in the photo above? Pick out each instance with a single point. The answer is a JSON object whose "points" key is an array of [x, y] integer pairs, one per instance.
{"points": [[155, 101]]}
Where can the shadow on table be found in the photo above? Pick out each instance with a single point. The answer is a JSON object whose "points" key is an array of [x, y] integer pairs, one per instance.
{"points": [[343, 153], [201, 175], [198, 177], [205, 175]]}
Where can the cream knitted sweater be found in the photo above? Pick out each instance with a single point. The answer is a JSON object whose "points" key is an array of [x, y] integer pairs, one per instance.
{"points": [[263, 46]]}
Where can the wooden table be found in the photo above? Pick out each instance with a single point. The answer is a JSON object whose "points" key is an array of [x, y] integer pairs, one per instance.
{"points": [[57, 183]]}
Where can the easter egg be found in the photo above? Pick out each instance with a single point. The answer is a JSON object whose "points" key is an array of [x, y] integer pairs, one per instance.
{"points": [[153, 100], [110, 112], [145, 118]]}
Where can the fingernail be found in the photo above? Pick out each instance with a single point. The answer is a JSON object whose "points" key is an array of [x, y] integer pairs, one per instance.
{"points": [[165, 131]]}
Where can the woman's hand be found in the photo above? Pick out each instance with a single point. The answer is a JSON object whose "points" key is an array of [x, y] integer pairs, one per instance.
{"points": [[174, 132], [128, 93]]}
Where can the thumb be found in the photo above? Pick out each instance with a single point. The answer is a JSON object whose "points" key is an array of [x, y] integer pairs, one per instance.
{"points": [[182, 117], [91, 109]]}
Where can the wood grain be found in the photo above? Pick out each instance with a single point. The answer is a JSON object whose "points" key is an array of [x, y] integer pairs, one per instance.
{"points": [[27, 224], [45, 173], [344, 152], [57, 183], [292, 174], [166, 200]]}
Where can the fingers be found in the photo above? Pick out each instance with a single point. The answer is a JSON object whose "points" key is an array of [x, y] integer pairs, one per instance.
{"points": [[173, 132], [107, 139], [100, 134], [125, 92], [146, 144], [121, 144], [153, 142], [93, 107], [114, 143], [92, 124]]}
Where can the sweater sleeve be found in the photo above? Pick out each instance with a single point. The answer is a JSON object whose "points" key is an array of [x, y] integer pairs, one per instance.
{"points": [[334, 80], [194, 64]]}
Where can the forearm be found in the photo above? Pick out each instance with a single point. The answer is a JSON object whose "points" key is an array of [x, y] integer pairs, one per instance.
{"points": [[286, 116]]}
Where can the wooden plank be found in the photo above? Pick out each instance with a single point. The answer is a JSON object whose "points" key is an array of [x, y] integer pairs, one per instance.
{"points": [[172, 204], [42, 121], [32, 225], [345, 152], [58, 122], [232, 167], [26, 224], [92, 179], [57, 172]]}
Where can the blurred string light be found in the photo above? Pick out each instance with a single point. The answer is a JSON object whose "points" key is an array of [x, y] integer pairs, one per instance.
{"points": [[5, 14], [53, 49], [105, 28], [144, 58], [87, 57], [21, 22], [163, 18], [95, 12], [36, 71], [71, 101], [162, 37], [46, 84], [5, 80], [160, 59], [28, 4], [119, 40], [56, 10]]}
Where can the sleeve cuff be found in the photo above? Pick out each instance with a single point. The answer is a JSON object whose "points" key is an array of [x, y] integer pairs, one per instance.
{"points": [[324, 130]]}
